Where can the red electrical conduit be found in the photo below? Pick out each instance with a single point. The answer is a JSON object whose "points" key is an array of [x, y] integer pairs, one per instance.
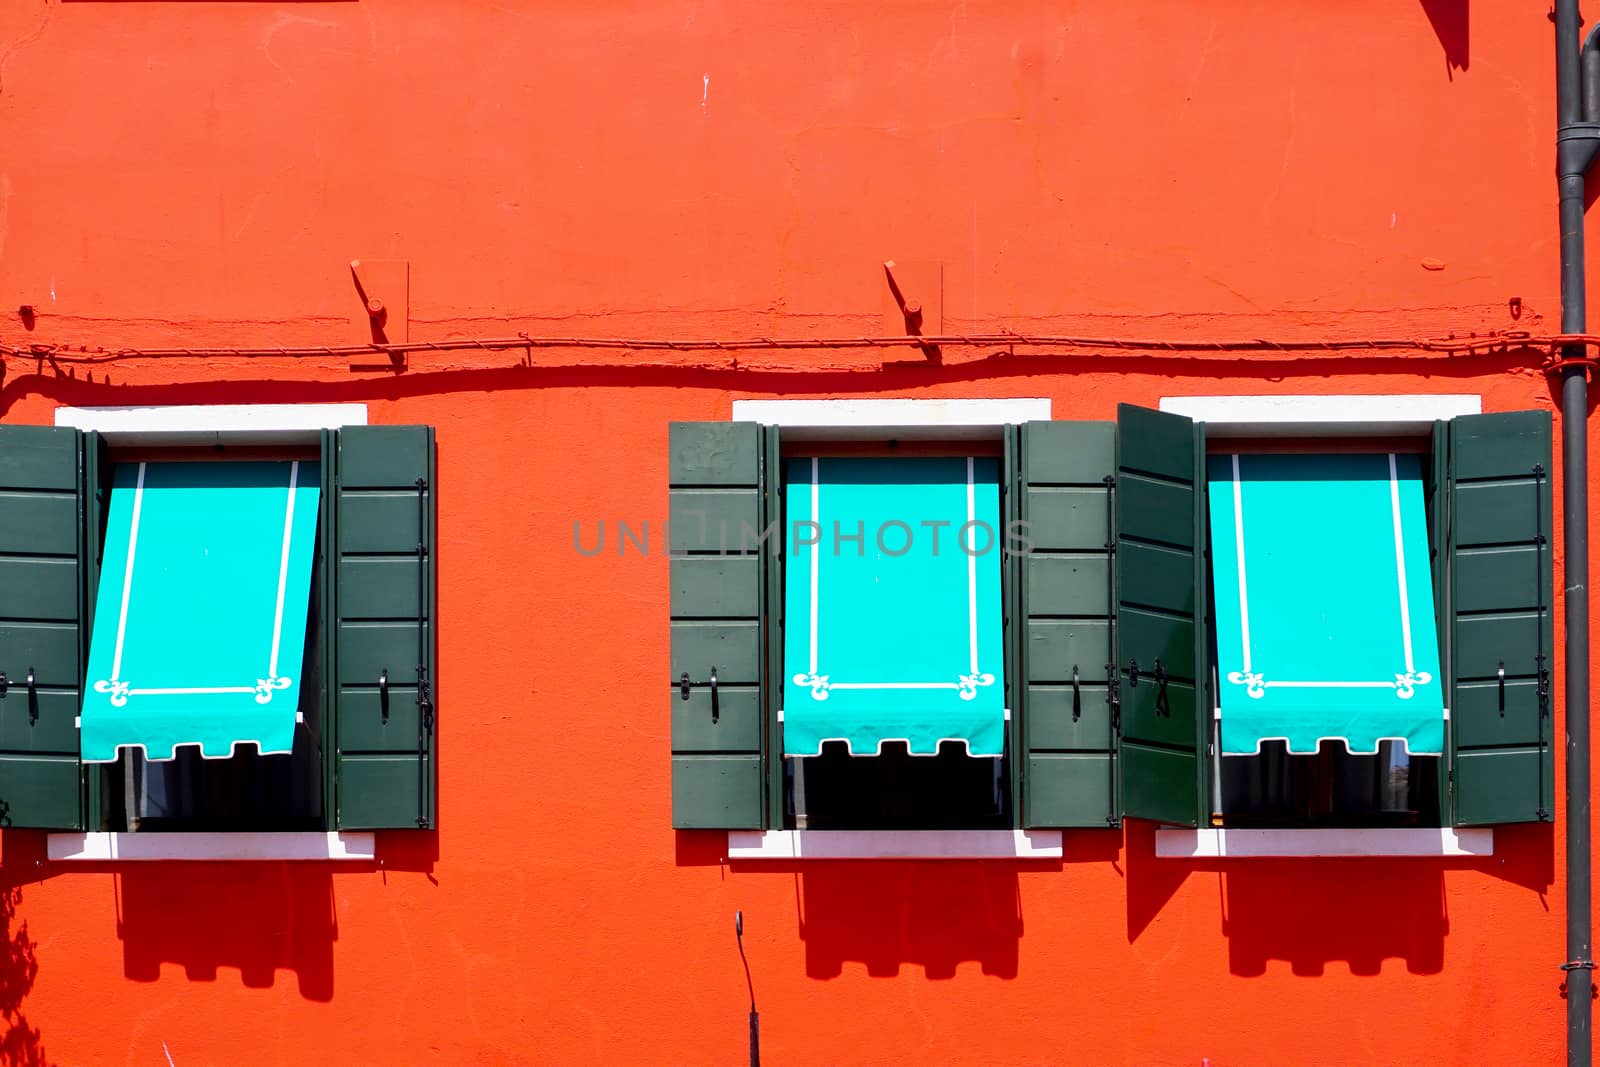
{"points": [[1472, 344]]}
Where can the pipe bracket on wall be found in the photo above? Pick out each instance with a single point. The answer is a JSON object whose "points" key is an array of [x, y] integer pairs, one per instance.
{"points": [[383, 314], [1577, 144], [917, 309]]}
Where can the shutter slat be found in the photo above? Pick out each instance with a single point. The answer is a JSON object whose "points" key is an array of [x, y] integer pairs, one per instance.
{"points": [[383, 608], [32, 522], [1158, 559], [1501, 609], [1069, 770], [41, 598], [716, 579]]}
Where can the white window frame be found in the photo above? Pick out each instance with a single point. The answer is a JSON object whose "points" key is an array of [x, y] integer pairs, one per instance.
{"points": [[1390, 415], [205, 424], [903, 419]]}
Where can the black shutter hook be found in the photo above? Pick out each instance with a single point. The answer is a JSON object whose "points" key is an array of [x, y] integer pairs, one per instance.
{"points": [[1501, 675], [1077, 695], [1133, 674], [383, 693], [1163, 707], [684, 685]]}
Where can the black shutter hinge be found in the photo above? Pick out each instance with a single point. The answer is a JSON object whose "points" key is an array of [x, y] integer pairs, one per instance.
{"points": [[424, 698], [1111, 533], [1114, 697]]}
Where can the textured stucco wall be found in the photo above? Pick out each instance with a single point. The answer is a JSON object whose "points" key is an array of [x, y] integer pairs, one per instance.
{"points": [[202, 173]]}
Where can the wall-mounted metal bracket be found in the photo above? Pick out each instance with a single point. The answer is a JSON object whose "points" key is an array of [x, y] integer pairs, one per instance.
{"points": [[383, 316], [916, 292]]}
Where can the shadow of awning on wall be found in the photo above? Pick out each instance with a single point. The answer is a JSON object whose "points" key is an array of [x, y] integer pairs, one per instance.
{"points": [[887, 914], [257, 918]]}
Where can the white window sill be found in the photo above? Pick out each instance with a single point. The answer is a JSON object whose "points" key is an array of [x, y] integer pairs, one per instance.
{"points": [[1266, 844], [893, 844], [107, 847]]}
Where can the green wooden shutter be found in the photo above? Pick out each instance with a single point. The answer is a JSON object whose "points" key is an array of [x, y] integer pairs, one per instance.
{"points": [[1436, 485], [383, 601], [716, 511], [1160, 616], [103, 781], [1067, 729], [1501, 607], [41, 606]]}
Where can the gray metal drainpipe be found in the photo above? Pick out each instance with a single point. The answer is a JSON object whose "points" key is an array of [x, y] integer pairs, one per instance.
{"points": [[1577, 139]]}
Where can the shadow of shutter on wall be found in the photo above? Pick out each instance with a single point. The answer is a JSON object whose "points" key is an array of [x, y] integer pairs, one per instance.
{"points": [[1502, 603], [1067, 716], [383, 600], [1158, 575], [715, 496], [41, 597]]}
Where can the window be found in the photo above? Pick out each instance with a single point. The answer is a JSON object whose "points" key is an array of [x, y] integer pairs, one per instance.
{"points": [[1481, 491], [893, 642], [1113, 633], [1329, 705], [203, 688], [735, 760], [322, 609]]}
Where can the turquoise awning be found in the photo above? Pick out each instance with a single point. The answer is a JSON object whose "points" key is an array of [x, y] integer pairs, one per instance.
{"points": [[200, 619], [1323, 598], [892, 623]]}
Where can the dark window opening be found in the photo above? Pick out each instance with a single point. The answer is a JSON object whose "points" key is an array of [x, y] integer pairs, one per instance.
{"points": [[1330, 787], [896, 790]]}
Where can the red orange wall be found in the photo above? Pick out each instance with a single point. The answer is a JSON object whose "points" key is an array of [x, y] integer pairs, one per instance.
{"points": [[202, 173]]}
